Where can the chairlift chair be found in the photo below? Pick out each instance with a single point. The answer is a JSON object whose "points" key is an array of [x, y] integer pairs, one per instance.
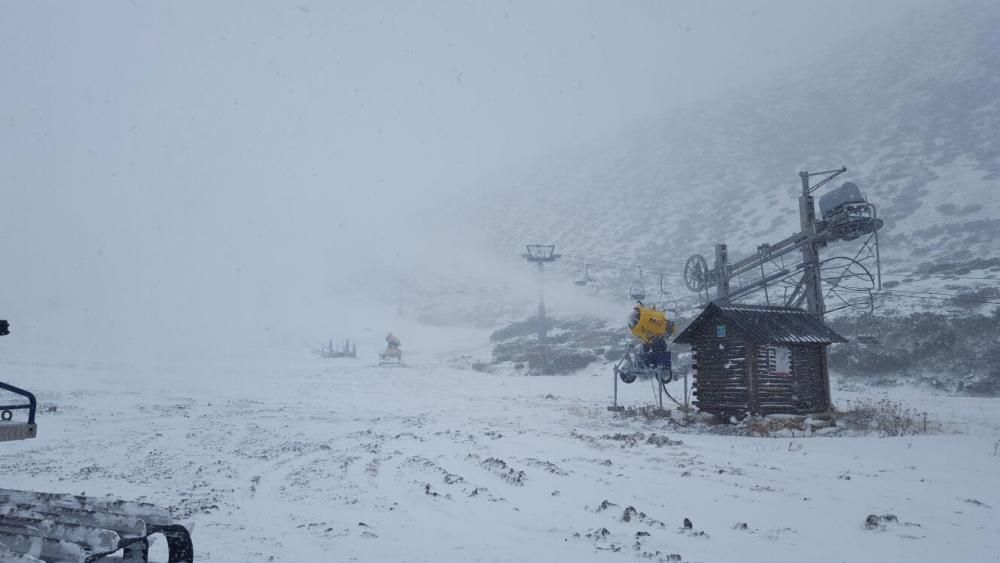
{"points": [[868, 333], [637, 291], [667, 301], [583, 279]]}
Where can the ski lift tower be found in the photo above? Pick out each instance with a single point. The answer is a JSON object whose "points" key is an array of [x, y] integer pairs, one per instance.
{"points": [[540, 254], [845, 216]]}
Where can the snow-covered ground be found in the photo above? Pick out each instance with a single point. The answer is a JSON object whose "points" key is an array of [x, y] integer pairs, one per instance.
{"points": [[306, 459]]}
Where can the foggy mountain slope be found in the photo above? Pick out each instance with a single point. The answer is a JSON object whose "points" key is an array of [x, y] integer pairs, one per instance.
{"points": [[913, 113]]}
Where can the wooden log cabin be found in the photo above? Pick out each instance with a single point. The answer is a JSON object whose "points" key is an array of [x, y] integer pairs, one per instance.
{"points": [[759, 360]]}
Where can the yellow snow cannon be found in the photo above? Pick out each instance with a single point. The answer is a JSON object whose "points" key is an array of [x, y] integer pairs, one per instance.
{"points": [[649, 325], [650, 357]]}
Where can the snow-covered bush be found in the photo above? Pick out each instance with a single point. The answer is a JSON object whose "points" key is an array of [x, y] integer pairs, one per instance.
{"points": [[571, 345], [884, 417], [952, 353]]}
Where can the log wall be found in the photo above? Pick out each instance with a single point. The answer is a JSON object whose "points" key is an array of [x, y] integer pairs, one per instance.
{"points": [[738, 374], [803, 391], [722, 382]]}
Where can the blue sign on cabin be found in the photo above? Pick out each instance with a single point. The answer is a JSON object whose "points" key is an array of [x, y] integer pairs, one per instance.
{"points": [[720, 331]]}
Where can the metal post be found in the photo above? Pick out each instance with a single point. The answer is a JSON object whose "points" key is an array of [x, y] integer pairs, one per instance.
{"points": [[686, 406], [615, 402], [659, 397], [826, 378], [722, 273], [878, 257], [541, 301], [762, 252], [810, 251]]}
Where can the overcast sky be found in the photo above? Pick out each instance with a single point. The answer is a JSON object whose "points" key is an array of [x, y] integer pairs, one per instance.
{"points": [[218, 161]]}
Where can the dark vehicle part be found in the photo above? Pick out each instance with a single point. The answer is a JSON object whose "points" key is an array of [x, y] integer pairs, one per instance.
{"points": [[68, 528]]}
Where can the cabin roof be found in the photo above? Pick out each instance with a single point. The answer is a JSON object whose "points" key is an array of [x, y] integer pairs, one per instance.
{"points": [[765, 324]]}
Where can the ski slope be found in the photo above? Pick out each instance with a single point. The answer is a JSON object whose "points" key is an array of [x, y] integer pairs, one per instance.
{"points": [[309, 459]]}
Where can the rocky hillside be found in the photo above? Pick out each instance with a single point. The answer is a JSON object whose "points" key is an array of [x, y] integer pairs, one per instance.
{"points": [[914, 113]]}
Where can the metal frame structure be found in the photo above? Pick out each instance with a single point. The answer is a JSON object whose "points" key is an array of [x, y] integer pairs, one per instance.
{"points": [[329, 350], [810, 281], [10, 430], [540, 254], [661, 377]]}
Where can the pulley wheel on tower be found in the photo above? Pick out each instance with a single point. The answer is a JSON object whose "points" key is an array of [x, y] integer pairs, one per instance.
{"points": [[696, 273]]}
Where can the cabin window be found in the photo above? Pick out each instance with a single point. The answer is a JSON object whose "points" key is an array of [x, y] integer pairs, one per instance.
{"points": [[779, 359], [720, 331]]}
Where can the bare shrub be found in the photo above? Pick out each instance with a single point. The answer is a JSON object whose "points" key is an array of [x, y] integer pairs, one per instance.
{"points": [[646, 412], [766, 426], [884, 417]]}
